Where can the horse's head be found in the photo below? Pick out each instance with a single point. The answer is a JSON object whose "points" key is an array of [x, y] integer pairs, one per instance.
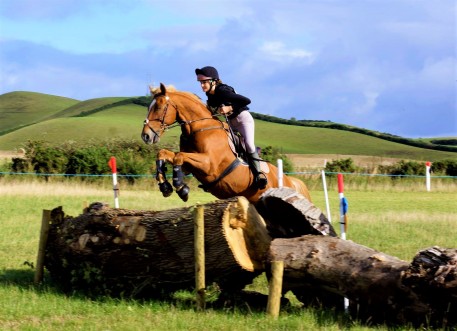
{"points": [[161, 114]]}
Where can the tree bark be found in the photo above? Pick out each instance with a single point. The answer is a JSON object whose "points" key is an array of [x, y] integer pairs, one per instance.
{"points": [[380, 287], [289, 214]]}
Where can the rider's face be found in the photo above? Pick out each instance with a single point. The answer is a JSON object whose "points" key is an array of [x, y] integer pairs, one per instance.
{"points": [[206, 85]]}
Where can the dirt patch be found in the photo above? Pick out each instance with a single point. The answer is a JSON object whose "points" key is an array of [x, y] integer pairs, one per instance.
{"points": [[8, 155], [317, 161]]}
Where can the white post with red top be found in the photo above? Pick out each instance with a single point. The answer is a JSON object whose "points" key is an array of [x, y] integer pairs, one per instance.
{"points": [[427, 175], [112, 165]]}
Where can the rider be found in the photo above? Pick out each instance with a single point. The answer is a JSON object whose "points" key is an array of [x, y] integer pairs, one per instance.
{"points": [[223, 99]]}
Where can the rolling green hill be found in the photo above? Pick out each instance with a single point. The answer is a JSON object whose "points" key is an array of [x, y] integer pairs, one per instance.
{"points": [[120, 117], [18, 109], [87, 106]]}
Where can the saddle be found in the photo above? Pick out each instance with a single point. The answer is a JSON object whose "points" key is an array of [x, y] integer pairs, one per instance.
{"points": [[236, 143], [238, 147]]}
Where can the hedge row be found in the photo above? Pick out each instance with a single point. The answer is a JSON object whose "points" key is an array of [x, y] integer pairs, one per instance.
{"points": [[402, 168], [132, 158]]}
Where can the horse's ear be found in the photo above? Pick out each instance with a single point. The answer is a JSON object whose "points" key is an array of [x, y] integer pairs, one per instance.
{"points": [[152, 90], [163, 89]]}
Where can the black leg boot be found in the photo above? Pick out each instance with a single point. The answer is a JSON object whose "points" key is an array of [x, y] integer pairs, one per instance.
{"points": [[260, 178]]}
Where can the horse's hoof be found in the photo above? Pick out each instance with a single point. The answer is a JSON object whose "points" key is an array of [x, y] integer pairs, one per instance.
{"points": [[183, 192], [261, 181], [166, 189]]}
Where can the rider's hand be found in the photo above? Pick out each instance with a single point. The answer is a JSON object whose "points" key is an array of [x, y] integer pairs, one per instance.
{"points": [[225, 110]]}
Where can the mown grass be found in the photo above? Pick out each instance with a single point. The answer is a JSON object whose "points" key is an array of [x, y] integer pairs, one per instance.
{"points": [[398, 220]]}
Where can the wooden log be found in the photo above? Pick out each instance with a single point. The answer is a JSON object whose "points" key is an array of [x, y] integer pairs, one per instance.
{"points": [[289, 214], [117, 251], [380, 287]]}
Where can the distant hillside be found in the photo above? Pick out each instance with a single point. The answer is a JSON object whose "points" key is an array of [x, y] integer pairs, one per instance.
{"points": [[121, 117], [421, 143], [87, 106], [18, 109]]}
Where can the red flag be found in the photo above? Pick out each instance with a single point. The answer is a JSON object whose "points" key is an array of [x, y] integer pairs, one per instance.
{"points": [[112, 164]]}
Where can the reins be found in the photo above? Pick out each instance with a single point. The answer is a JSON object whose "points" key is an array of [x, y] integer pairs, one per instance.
{"points": [[164, 126]]}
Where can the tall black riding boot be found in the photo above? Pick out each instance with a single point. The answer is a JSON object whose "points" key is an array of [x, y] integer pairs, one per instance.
{"points": [[260, 178]]}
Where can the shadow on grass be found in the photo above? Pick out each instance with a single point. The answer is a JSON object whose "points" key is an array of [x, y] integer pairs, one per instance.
{"points": [[24, 280]]}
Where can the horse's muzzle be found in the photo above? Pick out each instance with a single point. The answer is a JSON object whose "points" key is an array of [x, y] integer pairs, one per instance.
{"points": [[150, 139]]}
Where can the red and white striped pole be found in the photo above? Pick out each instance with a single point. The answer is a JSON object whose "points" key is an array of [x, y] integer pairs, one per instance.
{"points": [[343, 220], [343, 207], [427, 175], [112, 165]]}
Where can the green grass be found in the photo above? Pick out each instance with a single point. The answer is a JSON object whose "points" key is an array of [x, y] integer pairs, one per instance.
{"points": [[23, 108], [122, 121], [87, 105], [307, 140], [397, 219]]}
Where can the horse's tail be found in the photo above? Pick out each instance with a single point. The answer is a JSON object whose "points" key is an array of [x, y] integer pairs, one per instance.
{"points": [[300, 187]]}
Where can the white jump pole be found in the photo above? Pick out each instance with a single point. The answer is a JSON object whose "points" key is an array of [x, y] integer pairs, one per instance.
{"points": [[324, 184], [112, 164], [280, 173], [427, 175], [343, 221]]}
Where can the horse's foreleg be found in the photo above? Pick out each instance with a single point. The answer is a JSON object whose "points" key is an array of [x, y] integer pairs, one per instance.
{"points": [[178, 182], [164, 185], [162, 157]]}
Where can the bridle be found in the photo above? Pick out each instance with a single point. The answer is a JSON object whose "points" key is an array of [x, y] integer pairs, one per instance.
{"points": [[164, 126]]}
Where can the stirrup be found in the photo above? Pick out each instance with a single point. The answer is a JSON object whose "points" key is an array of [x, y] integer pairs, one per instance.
{"points": [[261, 180]]}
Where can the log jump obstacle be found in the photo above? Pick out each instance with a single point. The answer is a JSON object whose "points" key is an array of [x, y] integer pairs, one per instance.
{"points": [[143, 253]]}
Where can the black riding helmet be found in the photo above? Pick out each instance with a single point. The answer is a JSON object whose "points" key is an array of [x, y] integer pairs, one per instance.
{"points": [[207, 73]]}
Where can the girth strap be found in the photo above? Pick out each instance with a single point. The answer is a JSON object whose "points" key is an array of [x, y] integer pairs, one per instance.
{"points": [[224, 173]]}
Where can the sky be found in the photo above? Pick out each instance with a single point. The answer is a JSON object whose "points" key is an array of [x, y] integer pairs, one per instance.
{"points": [[384, 65]]}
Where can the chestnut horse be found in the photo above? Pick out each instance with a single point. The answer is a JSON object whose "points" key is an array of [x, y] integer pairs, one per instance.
{"points": [[205, 151]]}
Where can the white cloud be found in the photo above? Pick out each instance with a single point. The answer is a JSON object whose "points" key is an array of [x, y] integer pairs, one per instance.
{"points": [[277, 51]]}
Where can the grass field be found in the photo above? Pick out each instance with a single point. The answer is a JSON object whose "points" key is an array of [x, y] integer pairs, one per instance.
{"points": [[396, 219]]}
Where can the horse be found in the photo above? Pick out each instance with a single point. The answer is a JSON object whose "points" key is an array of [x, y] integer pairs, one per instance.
{"points": [[205, 150]]}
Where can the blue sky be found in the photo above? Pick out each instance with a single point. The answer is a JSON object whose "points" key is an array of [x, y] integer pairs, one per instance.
{"points": [[385, 65]]}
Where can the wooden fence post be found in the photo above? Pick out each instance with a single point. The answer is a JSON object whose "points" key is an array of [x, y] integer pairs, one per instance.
{"points": [[45, 221], [275, 289], [199, 242]]}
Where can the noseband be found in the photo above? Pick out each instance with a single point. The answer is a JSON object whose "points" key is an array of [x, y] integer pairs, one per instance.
{"points": [[163, 126]]}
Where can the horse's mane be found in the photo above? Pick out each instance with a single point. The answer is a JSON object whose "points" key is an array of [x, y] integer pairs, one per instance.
{"points": [[172, 89]]}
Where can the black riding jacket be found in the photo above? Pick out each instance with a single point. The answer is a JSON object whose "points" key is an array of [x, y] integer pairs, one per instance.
{"points": [[226, 95]]}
